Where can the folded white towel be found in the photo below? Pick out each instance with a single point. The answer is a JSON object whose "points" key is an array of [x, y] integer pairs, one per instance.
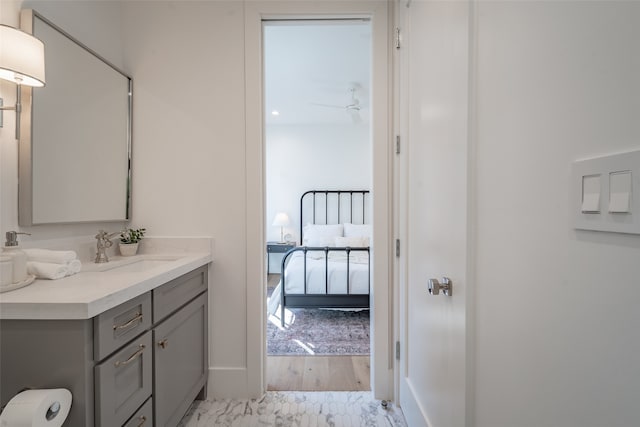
{"points": [[46, 255], [74, 267], [47, 270]]}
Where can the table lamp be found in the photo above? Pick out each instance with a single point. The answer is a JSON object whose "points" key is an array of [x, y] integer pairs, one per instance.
{"points": [[281, 220]]}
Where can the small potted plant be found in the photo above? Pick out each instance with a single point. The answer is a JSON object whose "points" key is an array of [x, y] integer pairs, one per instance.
{"points": [[129, 239]]}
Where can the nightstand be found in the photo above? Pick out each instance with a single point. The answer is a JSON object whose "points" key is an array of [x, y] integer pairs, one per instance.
{"points": [[277, 248]]}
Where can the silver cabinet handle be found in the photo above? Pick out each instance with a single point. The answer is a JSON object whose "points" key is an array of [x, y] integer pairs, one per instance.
{"points": [[163, 343], [138, 316], [446, 286], [143, 420], [132, 357]]}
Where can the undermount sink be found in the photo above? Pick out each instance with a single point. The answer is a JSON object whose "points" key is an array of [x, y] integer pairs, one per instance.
{"points": [[135, 264], [140, 265]]}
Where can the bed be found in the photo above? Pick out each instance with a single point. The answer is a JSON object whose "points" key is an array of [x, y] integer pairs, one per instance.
{"points": [[332, 267]]}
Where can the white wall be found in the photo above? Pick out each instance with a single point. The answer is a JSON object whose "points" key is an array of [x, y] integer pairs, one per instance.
{"points": [[312, 157], [96, 24], [557, 309], [187, 62]]}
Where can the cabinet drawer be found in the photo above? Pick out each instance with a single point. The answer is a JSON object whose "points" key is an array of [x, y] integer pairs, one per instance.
{"points": [[143, 416], [123, 382], [176, 293], [116, 327], [181, 362]]}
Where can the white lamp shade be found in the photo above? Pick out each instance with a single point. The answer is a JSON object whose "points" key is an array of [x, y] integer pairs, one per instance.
{"points": [[281, 220], [21, 57]]}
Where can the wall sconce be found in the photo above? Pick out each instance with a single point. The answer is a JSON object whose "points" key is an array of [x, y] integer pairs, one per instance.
{"points": [[21, 62], [281, 220]]}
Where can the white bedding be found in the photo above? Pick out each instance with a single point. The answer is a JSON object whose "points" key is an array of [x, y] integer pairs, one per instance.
{"points": [[294, 279]]}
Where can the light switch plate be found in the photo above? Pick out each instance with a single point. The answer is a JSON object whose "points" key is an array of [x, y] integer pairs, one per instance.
{"points": [[616, 206]]}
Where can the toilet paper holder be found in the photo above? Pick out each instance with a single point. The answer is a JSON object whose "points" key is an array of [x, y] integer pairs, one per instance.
{"points": [[53, 411]]}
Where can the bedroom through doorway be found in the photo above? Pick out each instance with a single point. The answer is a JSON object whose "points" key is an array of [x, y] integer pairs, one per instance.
{"points": [[318, 144]]}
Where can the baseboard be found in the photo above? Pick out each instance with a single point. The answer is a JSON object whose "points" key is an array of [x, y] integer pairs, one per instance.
{"points": [[413, 412], [225, 383]]}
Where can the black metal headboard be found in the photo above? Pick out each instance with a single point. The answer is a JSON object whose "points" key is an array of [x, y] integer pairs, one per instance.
{"points": [[338, 205]]}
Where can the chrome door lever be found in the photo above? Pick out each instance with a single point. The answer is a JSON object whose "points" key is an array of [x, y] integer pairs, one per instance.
{"points": [[446, 286]]}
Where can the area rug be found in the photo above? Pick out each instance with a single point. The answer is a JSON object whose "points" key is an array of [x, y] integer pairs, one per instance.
{"points": [[312, 331]]}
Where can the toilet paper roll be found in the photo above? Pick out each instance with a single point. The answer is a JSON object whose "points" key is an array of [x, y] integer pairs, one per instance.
{"points": [[37, 408]]}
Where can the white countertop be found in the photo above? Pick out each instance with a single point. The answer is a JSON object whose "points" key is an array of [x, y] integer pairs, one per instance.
{"points": [[89, 293]]}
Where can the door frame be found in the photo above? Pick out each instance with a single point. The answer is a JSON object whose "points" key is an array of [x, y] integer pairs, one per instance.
{"points": [[380, 13]]}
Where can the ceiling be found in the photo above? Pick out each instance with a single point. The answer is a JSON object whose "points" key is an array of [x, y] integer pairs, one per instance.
{"points": [[317, 62]]}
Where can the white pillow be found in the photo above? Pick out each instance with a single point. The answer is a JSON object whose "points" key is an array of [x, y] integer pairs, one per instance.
{"points": [[321, 234], [320, 241], [352, 242], [357, 230]]}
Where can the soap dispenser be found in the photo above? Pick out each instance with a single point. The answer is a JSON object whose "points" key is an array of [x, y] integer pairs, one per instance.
{"points": [[18, 257]]}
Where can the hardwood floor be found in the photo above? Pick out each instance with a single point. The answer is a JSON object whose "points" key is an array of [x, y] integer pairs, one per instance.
{"points": [[318, 373], [272, 280]]}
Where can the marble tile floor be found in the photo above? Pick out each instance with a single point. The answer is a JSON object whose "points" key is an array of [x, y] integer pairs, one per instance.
{"points": [[295, 409]]}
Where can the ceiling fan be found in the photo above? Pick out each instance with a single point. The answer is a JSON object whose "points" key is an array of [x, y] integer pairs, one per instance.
{"points": [[352, 108]]}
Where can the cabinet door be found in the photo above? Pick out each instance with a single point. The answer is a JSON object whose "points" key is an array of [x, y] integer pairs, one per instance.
{"points": [[181, 361], [123, 382]]}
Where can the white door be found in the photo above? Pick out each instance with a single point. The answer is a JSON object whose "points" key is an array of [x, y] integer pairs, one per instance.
{"points": [[434, 103]]}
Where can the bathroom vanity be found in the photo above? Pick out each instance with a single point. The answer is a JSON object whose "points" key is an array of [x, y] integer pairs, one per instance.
{"points": [[130, 343]]}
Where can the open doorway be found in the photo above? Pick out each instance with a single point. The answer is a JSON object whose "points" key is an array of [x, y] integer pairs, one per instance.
{"points": [[317, 127]]}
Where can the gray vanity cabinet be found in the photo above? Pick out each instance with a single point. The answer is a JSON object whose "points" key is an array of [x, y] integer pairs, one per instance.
{"points": [[141, 363], [180, 363]]}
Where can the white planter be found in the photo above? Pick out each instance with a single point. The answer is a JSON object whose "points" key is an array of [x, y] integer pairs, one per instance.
{"points": [[128, 249]]}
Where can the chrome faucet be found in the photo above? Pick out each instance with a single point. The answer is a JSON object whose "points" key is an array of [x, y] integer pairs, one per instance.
{"points": [[104, 242]]}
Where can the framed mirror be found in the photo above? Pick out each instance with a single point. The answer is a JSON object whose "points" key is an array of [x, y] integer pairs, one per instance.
{"points": [[75, 135]]}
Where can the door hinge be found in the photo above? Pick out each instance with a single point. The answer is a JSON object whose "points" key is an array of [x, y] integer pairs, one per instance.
{"points": [[397, 247], [397, 144], [397, 38], [397, 350]]}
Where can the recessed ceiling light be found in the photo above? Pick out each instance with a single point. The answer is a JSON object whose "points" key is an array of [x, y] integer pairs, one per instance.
{"points": [[275, 113]]}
